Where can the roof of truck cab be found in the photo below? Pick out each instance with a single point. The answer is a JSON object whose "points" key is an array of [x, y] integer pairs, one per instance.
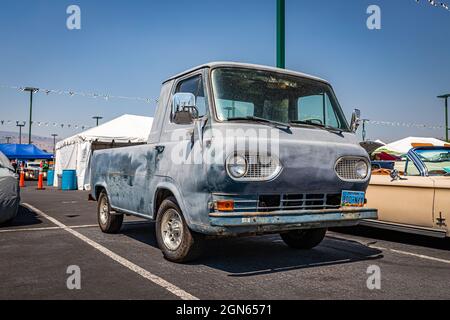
{"points": [[246, 65]]}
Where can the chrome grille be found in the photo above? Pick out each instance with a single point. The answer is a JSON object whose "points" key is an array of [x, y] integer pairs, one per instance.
{"points": [[261, 167], [346, 168], [289, 202]]}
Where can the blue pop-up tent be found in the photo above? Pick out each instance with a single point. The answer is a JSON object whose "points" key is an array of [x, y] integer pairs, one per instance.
{"points": [[24, 152]]}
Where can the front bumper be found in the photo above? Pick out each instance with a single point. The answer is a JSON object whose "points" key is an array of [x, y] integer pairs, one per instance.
{"points": [[289, 220]]}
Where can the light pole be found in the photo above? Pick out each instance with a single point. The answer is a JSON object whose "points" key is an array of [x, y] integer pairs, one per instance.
{"points": [[445, 97], [54, 135], [20, 125], [31, 90], [281, 34], [97, 118]]}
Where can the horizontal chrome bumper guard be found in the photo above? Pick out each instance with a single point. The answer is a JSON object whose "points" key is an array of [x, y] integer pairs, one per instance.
{"points": [[343, 211], [307, 219]]}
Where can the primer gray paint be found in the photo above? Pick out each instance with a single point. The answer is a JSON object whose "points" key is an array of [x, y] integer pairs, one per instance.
{"points": [[133, 175]]}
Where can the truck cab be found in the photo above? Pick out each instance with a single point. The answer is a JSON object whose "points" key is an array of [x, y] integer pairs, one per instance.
{"points": [[238, 149]]}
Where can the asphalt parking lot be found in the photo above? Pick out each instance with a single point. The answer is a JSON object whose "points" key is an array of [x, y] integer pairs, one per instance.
{"points": [[56, 229]]}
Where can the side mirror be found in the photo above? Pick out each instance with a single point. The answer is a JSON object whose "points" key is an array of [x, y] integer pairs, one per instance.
{"points": [[356, 120], [395, 176], [184, 110]]}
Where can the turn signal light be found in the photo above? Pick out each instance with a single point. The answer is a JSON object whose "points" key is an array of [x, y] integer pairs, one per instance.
{"points": [[225, 205]]}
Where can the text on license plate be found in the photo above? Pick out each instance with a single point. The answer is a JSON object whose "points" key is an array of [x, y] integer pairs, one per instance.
{"points": [[353, 199]]}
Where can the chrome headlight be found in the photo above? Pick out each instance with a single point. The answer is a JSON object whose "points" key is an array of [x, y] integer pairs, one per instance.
{"points": [[362, 169], [352, 169], [237, 166], [253, 167]]}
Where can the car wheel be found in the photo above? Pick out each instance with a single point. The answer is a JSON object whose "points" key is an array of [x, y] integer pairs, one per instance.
{"points": [[304, 239], [176, 241], [108, 222]]}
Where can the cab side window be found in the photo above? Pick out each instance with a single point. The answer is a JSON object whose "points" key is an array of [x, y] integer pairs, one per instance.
{"points": [[194, 85]]}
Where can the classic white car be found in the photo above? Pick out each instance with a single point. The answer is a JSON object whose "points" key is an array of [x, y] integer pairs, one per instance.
{"points": [[414, 197], [32, 171]]}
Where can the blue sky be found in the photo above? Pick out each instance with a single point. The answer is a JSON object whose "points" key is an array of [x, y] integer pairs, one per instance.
{"points": [[128, 47]]}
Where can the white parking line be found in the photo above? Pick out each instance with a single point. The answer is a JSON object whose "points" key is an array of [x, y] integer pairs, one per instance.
{"points": [[421, 256], [128, 264], [46, 228], [411, 254], [132, 223]]}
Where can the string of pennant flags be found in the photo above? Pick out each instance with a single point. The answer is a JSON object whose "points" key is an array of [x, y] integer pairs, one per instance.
{"points": [[404, 124], [436, 3], [85, 127], [44, 124], [72, 93]]}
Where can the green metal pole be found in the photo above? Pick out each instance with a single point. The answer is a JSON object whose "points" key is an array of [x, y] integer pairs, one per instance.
{"points": [[281, 34], [446, 119], [31, 116]]}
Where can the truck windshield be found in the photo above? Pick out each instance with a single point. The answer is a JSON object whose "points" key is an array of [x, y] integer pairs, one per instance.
{"points": [[241, 93]]}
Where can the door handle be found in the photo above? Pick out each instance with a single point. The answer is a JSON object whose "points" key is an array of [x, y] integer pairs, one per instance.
{"points": [[160, 149]]}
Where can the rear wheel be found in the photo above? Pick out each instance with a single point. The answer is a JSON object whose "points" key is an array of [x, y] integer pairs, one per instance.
{"points": [[176, 241], [108, 222], [304, 239]]}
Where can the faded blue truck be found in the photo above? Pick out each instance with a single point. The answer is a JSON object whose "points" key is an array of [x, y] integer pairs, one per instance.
{"points": [[238, 149]]}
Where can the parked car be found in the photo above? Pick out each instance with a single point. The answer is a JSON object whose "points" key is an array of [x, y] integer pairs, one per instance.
{"points": [[204, 172], [9, 190], [414, 197]]}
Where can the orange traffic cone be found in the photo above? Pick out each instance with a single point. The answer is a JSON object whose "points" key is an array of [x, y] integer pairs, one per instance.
{"points": [[22, 179], [40, 181]]}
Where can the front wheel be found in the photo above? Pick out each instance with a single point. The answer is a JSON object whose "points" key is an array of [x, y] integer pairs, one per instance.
{"points": [[108, 222], [304, 239], [176, 241]]}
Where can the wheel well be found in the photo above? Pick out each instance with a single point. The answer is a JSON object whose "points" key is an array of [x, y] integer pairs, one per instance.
{"points": [[98, 190], [161, 195]]}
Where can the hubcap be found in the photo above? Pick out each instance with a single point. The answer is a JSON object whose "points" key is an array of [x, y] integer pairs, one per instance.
{"points": [[172, 229], [104, 211]]}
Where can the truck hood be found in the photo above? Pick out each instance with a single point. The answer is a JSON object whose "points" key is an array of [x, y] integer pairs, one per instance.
{"points": [[308, 157]]}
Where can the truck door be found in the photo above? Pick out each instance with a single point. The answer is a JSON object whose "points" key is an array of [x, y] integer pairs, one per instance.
{"points": [[180, 155]]}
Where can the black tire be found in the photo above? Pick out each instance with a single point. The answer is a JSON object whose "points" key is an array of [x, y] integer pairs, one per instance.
{"points": [[304, 239], [111, 223], [191, 243]]}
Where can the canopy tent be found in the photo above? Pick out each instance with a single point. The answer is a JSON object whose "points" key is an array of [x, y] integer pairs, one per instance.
{"points": [[24, 152], [74, 153], [402, 147]]}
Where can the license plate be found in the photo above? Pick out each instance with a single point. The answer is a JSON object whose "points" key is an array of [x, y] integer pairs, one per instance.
{"points": [[353, 199]]}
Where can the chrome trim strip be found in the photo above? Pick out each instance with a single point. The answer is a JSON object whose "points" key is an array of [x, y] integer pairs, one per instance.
{"points": [[404, 228], [131, 213]]}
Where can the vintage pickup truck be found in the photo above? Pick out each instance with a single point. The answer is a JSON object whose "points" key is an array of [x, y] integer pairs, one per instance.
{"points": [[238, 149]]}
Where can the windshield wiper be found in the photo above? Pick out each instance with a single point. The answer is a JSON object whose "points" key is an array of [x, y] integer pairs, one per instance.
{"points": [[262, 120], [312, 124]]}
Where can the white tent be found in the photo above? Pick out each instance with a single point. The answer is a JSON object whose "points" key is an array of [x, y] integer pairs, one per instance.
{"points": [[74, 153], [403, 146]]}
